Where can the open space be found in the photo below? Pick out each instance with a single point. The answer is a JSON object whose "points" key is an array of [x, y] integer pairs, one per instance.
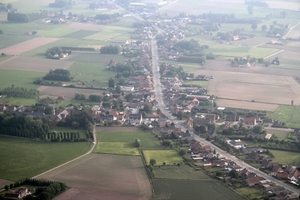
{"points": [[288, 114], [34, 64], [254, 87], [28, 45], [246, 105], [27, 158], [176, 189], [120, 140], [286, 157], [100, 176], [281, 134], [169, 157], [68, 93]]}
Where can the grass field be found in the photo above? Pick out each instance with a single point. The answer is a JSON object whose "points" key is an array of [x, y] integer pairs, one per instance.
{"points": [[79, 34], [288, 114], [176, 189], [170, 157], [111, 32], [18, 78], [179, 172], [8, 40], [197, 83], [93, 74], [280, 134], [57, 32], [19, 101], [251, 192], [26, 158], [100, 176], [286, 157], [120, 140]]}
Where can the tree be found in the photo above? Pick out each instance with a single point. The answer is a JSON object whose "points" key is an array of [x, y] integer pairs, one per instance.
{"points": [[147, 108], [182, 152], [180, 115], [254, 26], [250, 10], [111, 83], [258, 129], [152, 162], [137, 143], [6, 187], [233, 174], [264, 27]]}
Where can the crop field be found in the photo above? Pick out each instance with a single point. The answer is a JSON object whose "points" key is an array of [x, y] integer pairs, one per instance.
{"points": [[254, 87], [170, 157], [286, 157], [92, 74], [27, 158], [4, 182], [85, 26], [280, 134], [9, 40], [34, 64], [179, 172], [176, 189], [18, 78], [66, 92], [252, 191], [79, 34], [288, 114], [28, 45], [120, 140], [96, 57], [197, 83], [288, 55], [57, 32], [246, 105], [111, 32], [100, 176]]}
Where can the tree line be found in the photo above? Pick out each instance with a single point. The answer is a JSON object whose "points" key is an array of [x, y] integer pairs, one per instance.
{"points": [[13, 91], [24, 126], [45, 190], [25, 18], [61, 3], [57, 52], [63, 137], [111, 49], [58, 75]]}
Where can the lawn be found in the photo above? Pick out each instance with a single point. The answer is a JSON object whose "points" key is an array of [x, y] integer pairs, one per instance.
{"points": [[176, 189], [280, 134], [120, 140], [18, 78], [288, 114], [93, 74], [286, 157], [197, 83], [26, 158], [179, 172], [250, 192], [170, 157]]}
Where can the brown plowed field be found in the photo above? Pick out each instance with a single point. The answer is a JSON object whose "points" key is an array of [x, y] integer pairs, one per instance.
{"points": [[4, 182], [34, 64], [28, 45], [68, 93], [100, 176], [247, 105]]}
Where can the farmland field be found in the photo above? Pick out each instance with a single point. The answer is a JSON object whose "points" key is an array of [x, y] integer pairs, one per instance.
{"points": [[252, 191], [68, 93], [85, 26], [92, 74], [288, 114], [96, 57], [120, 140], [99, 176], [4, 182], [9, 40], [197, 83], [254, 87], [170, 157], [27, 158], [18, 78], [286, 157], [280, 134], [246, 105], [179, 172], [111, 32], [176, 189], [34, 64], [28, 45]]}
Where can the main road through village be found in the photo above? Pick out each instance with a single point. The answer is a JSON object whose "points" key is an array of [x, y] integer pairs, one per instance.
{"points": [[161, 105]]}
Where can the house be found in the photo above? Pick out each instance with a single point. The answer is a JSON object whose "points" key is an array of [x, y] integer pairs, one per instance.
{"points": [[135, 119], [252, 121], [237, 144], [276, 169], [236, 37], [18, 194], [127, 89], [254, 180]]}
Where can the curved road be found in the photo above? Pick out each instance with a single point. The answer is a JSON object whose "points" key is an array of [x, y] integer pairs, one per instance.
{"points": [[90, 151], [161, 105]]}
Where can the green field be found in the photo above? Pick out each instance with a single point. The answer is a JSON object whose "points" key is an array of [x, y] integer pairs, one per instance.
{"points": [[286, 157], [251, 192], [120, 140], [57, 32], [111, 32], [26, 158], [176, 189], [280, 134], [18, 78], [79, 34], [170, 157], [93, 74], [288, 114], [197, 83], [179, 172], [8, 40], [19, 101]]}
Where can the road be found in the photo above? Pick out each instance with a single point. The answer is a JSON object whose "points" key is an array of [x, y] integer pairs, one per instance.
{"points": [[159, 97], [90, 151]]}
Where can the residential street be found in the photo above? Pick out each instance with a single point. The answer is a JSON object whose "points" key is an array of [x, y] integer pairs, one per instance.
{"points": [[162, 107]]}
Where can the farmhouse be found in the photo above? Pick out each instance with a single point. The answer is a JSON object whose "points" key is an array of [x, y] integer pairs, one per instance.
{"points": [[237, 144]]}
